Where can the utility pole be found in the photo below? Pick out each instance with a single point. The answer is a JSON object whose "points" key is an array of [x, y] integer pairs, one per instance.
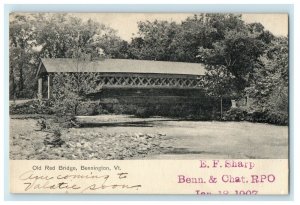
{"points": [[221, 107]]}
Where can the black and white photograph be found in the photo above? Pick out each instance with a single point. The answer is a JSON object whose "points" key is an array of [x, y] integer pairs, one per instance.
{"points": [[148, 86]]}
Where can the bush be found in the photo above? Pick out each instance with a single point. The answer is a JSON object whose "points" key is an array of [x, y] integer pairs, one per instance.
{"points": [[54, 139], [256, 115], [235, 114], [118, 109], [32, 107], [67, 121], [143, 112], [278, 118], [100, 110], [87, 108], [269, 116]]}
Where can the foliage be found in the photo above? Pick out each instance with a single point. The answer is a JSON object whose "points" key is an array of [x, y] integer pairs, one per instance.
{"points": [[22, 57], [235, 114], [154, 41], [248, 114], [32, 107], [218, 81], [269, 87], [46, 35], [70, 90], [220, 41], [170, 41], [202, 31], [239, 52], [54, 139], [241, 59]]}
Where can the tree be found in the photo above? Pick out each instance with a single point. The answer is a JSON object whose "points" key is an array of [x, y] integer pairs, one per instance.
{"points": [[269, 86], [135, 48], [217, 40], [239, 52], [170, 41], [154, 40], [70, 90], [191, 34], [21, 55], [59, 35], [218, 83], [202, 31], [112, 45], [48, 35]]}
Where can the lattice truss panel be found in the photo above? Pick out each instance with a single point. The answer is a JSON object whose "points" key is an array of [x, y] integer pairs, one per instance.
{"points": [[139, 81]]}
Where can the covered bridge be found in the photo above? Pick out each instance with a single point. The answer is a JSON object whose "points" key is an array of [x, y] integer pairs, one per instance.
{"points": [[135, 81]]}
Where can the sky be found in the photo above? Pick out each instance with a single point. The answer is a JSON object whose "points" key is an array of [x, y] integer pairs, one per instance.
{"points": [[126, 23]]}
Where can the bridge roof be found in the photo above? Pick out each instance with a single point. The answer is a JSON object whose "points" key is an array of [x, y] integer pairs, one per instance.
{"points": [[56, 65]]}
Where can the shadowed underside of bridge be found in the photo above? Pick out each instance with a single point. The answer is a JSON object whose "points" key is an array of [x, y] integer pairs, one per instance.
{"points": [[163, 101]]}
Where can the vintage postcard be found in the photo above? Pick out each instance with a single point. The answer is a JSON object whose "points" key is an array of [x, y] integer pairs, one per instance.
{"points": [[149, 103]]}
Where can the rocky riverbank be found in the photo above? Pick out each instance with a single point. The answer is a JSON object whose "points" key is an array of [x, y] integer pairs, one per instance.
{"points": [[80, 144]]}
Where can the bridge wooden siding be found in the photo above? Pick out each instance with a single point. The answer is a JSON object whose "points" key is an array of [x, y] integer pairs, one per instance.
{"points": [[149, 81]]}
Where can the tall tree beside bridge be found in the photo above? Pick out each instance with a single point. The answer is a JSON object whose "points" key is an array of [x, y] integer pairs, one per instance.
{"points": [[46, 35]]}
